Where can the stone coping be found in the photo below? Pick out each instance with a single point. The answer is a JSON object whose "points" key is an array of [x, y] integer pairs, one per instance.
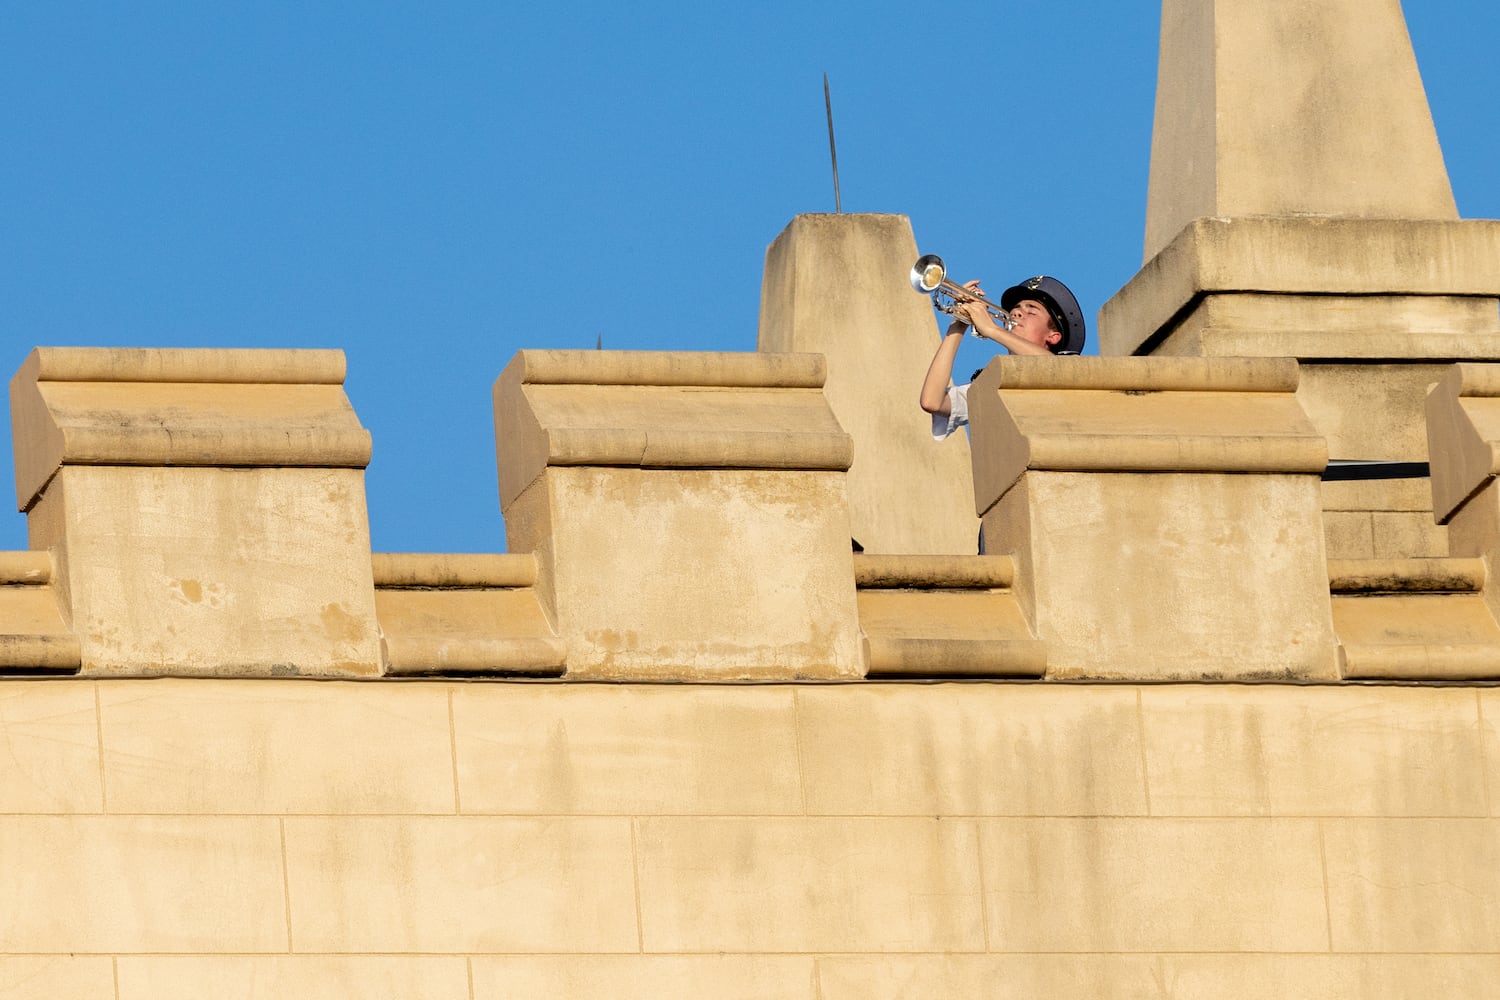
{"points": [[264, 366], [928, 658], [663, 410], [1385, 576], [32, 569], [165, 407], [1141, 375], [1107, 415], [719, 369], [450, 571], [732, 448], [1301, 255], [1475, 381], [894, 572]]}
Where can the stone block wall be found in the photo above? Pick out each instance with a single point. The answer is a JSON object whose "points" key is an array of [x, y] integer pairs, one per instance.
{"points": [[772, 823], [802, 832], [179, 838]]}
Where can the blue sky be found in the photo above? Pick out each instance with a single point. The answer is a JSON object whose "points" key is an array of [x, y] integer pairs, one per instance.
{"points": [[434, 187]]}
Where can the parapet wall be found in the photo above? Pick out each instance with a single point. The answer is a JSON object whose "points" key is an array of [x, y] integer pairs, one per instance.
{"points": [[684, 517], [730, 758]]}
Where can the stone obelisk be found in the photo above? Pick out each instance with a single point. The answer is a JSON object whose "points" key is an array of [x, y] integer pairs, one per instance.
{"points": [[1299, 207]]}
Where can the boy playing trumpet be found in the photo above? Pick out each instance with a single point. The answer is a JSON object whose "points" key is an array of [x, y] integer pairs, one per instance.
{"points": [[1043, 318]]}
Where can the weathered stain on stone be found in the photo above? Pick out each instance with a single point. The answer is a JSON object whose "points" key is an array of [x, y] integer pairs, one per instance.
{"points": [[340, 625]]}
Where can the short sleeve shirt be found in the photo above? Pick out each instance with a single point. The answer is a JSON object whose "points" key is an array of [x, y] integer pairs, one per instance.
{"points": [[958, 413]]}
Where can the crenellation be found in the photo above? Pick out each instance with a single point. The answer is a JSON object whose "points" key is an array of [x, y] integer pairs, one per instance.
{"points": [[210, 524]]}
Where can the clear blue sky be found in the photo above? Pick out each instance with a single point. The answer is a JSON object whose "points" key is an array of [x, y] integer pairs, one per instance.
{"points": [[432, 187]]}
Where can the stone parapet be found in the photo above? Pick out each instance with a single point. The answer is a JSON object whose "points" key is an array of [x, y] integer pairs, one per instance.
{"points": [[1410, 576], [1463, 434], [1382, 519], [1164, 514], [687, 511], [205, 508], [664, 409]]}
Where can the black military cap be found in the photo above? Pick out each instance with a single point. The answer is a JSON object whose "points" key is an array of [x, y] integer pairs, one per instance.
{"points": [[1060, 303]]}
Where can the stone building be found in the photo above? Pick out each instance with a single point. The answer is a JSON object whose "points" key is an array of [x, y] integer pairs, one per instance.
{"points": [[1214, 717]]}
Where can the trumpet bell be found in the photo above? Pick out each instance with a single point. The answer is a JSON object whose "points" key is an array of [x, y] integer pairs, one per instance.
{"points": [[930, 277], [927, 273]]}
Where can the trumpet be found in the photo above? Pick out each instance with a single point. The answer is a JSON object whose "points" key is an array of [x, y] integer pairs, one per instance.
{"points": [[930, 277]]}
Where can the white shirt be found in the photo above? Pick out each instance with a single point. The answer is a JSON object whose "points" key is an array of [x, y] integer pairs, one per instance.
{"points": [[958, 413]]}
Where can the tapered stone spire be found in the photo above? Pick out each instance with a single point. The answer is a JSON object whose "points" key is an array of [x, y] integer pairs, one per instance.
{"points": [[1286, 107], [1299, 207]]}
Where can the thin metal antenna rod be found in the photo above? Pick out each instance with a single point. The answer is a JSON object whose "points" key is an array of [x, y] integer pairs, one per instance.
{"points": [[832, 152]]}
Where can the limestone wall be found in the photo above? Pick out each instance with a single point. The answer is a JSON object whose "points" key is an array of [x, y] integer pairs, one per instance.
{"points": [[183, 838], [711, 750], [765, 819]]}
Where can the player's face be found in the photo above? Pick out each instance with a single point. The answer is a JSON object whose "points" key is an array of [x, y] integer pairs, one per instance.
{"points": [[1031, 321]]}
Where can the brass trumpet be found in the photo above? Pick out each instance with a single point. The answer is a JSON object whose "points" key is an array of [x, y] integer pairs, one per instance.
{"points": [[930, 277]]}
